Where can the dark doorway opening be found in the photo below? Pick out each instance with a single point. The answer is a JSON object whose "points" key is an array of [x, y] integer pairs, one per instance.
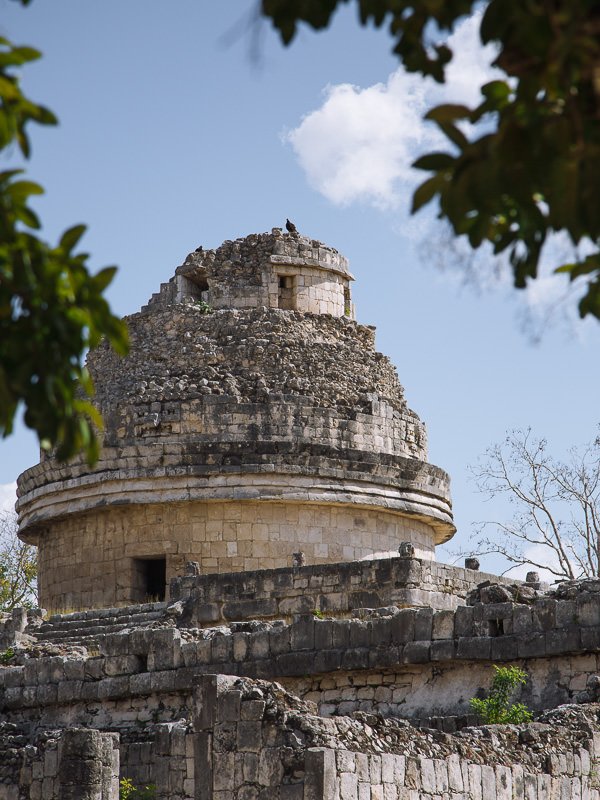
{"points": [[287, 292], [150, 578]]}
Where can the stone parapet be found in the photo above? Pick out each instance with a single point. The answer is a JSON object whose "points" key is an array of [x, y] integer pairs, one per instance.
{"points": [[329, 589]]}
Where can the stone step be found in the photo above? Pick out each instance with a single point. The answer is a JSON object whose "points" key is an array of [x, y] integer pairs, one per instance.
{"points": [[67, 625], [110, 613], [73, 637], [87, 626]]}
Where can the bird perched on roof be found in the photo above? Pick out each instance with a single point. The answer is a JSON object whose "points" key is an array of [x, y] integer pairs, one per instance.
{"points": [[290, 227]]}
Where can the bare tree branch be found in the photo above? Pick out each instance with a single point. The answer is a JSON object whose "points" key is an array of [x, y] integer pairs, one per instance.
{"points": [[18, 567], [556, 520]]}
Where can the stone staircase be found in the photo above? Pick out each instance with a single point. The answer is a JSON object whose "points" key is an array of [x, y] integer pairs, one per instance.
{"points": [[164, 296], [87, 627]]}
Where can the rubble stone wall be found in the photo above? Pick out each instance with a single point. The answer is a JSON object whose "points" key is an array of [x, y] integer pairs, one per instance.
{"points": [[409, 662], [254, 739], [67, 764]]}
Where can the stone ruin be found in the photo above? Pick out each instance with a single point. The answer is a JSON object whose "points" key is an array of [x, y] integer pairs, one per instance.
{"points": [[243, 598]]}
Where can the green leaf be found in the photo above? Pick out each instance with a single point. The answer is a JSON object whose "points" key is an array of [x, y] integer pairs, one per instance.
{"points": [[20, 190], [494, 22], [104, 278], [426, 192], [28, 217], [455, 135], [24, 54], [579, 268], [434, 161], [496, 91], [590, 302], [70, 238], [448, 113]]}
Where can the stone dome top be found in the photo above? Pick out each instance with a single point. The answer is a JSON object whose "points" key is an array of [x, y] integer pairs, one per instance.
{"points": [[273, 270]]}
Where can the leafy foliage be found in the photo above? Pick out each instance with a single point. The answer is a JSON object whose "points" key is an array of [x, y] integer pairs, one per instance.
{"points": [[51, 308], [497, 708], [128, 791], [537, 168], [6, 656], [203, 307], [18, 567]]}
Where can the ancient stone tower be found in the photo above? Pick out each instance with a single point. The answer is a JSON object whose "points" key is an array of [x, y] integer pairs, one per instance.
{"points": [[252, 420]]}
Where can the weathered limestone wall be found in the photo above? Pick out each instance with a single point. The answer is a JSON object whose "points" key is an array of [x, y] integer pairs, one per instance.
{"points": [[248, 738], [311, 291], [87, 561], [413, 662], [440, 689], [339, 590], [253, 740], [160, 755], [359, 673], [70, 764], [318, 419]]}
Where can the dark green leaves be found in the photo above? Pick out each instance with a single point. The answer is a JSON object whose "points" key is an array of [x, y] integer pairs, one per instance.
{"points": [[434, 161], [51, 309], [16, 111], [408, 24], [537, 169], [426, 192]]}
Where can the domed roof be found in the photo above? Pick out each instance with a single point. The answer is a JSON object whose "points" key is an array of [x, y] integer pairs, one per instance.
{"points": [[273, 270]]}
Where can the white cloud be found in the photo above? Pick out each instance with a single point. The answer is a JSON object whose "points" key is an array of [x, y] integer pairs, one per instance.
{"points": [[358, 146], [540, 555], [8, 497]]}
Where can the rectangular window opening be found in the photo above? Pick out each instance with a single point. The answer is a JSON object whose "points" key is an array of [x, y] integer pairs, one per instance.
{"points": [[287, 292], [149, 579], [347, 301]]}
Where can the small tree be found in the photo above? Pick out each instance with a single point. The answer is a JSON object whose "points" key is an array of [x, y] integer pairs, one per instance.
{"points": [[556, 520], [52, 309], [18, 567], [497, 709]]}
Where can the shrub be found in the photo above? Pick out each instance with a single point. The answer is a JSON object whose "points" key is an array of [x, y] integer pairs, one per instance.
{"points": [[497, 709], [128, 791]]}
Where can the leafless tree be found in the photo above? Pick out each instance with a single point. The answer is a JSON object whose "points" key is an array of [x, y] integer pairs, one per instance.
{"points": [[18, 567], [556, 521]]}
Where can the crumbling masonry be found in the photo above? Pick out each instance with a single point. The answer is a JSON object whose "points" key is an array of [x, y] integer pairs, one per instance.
{"points": [[259, 612]]}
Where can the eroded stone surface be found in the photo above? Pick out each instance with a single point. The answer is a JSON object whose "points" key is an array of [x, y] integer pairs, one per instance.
{"points": [[269, 425]]}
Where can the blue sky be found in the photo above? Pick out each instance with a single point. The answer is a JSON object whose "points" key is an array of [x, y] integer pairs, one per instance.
{"points": [[172, 136]]}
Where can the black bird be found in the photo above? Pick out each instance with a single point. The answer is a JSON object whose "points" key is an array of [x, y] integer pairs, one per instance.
{"points": [[290, 227], [198, 249]]}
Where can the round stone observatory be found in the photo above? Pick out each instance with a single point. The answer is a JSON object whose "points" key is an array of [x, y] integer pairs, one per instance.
{"points": [[253, 419]]}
